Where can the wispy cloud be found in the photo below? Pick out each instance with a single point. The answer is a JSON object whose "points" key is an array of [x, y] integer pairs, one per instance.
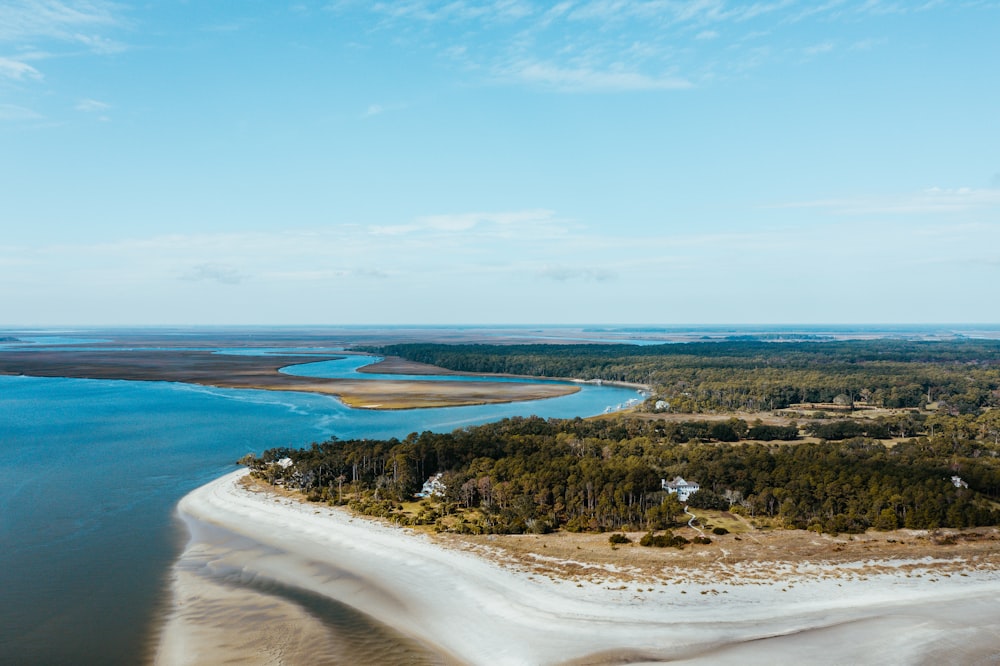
{"points": [[42, 29], [100, 44], [378, 109], [91, 106], [618, 46], [502, 10], [14, 112], [79, 21], [929, 201], [582, 79], [567, 273], [282, 271], [818, 49], [466, 221], [453, 223], [17, 70], [220, 273]]}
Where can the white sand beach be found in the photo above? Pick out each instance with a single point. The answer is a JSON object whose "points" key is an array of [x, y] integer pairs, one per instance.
{"points": [[455, 607]]}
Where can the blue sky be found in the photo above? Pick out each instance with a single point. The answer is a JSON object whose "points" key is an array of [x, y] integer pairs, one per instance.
{"points": [[506, 161]]}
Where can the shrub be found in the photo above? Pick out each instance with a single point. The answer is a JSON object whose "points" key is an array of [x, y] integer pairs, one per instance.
{"points": [[720, 531], [615, 539], [665, 540]]}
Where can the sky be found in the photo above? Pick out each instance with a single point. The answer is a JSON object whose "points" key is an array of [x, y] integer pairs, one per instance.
{"points": [[499, 162]]}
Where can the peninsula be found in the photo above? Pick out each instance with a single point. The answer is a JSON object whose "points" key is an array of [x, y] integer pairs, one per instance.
{"points": [[475, 605]]}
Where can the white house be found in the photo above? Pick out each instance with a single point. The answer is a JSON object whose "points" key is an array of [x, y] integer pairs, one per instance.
{"points": [[683, 489], [433, 487], [958, 482]]}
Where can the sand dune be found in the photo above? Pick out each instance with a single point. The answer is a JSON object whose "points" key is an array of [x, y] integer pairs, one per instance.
{"points": [[248, 549]]}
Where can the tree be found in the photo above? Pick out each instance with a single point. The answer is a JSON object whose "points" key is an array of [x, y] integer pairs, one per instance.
{"points": [[887, 520]]}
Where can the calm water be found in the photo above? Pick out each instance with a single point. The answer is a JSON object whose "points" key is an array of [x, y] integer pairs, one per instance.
{"points": [[92, 471]]}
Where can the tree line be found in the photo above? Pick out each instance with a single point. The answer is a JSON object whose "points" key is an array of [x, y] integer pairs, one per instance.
{"points": [[534, 475], [963, 376]]}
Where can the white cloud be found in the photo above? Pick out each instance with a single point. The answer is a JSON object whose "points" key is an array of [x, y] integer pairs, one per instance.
{"points": [[567, 273], [466, 221], [17, 70], [393, 229], [91, 106], [100, 44], [818, 49], [584, 79], [306, 276], [278, 275], [13, 112], [376, 109], [221, 273], [866, 44], [621, 46], [62, 27], [323, 274], [929, 201], [27, 20], [429, 11], [452, 223]]}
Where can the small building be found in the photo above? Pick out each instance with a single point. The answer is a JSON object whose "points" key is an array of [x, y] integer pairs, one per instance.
{"points": [[284, 463], [958, 482], [433, 487], [662, 406], [683, 489]]}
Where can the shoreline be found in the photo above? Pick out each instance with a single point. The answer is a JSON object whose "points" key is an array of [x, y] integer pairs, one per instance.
{"points": [[230, 371], [466, 609]]}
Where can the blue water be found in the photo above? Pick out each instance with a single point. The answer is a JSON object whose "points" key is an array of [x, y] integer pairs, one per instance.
{"points": [[347, 368], [93, 469]]}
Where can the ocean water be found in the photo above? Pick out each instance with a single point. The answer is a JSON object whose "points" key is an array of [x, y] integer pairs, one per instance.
{"points": [[93, 469]]}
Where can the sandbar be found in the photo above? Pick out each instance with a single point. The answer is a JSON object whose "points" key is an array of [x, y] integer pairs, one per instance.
{"points": [[262, 372], [456, 607]]}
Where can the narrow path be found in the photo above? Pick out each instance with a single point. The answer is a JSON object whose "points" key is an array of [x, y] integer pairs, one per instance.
{"points": [[691, 521]]}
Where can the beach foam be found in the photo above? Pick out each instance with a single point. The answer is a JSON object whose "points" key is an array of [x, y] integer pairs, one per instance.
{"points": [[249, 548]]}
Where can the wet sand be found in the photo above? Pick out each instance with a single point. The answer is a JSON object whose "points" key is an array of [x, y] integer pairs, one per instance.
{"points": [[262, 372], [451, 606]]}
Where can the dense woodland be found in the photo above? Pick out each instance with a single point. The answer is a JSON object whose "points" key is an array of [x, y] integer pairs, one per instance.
{"points": [[960, 376], [532, 475], [895, 468]]}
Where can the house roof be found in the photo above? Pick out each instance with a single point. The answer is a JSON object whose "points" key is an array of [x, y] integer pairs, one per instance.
{"points": [[679, 482]]}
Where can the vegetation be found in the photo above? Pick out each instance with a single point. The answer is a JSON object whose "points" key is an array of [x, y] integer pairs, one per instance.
{"points": [[532, 475], [960, 376], [905, 465], [666, 540]]}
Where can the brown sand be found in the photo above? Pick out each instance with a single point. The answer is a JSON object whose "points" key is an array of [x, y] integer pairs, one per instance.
{"points": [[261, 372]]}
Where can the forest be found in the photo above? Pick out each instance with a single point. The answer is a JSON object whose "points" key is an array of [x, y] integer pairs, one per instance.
{"points": [[959, 376], [533, 475]]}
